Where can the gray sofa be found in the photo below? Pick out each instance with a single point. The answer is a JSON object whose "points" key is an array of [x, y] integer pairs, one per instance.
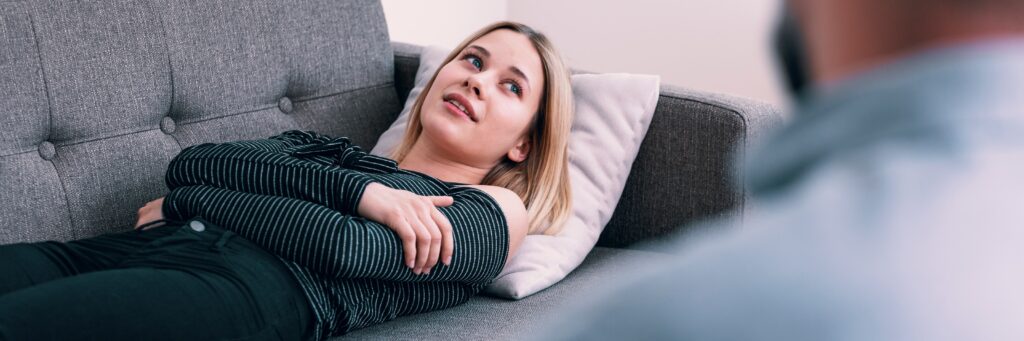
{"points": [[98, 96]]}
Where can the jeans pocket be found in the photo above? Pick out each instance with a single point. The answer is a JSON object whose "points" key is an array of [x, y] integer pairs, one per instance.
{"points": [[184, 249], [175, 239]]}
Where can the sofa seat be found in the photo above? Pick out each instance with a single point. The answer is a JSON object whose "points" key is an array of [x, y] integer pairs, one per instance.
{"points": [[490, 318]]}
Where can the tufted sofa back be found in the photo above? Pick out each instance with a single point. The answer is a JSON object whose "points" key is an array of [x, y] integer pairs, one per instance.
{"points": [[97, 96]]}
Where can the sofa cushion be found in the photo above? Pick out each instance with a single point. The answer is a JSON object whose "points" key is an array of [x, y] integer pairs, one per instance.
{"points": [[100, 95], [490, 318]]}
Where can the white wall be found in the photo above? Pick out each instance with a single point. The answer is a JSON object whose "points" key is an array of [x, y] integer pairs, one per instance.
{"points": [[712, 45], [439, 22]]}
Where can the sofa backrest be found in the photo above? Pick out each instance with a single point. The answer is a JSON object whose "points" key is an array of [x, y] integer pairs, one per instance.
{"points": [[98, 96], [683, 172]]}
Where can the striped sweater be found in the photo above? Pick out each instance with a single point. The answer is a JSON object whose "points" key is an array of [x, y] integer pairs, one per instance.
{"points": [[296, 194]]}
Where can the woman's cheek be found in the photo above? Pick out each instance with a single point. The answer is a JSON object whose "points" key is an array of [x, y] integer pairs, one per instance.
{"points": [[515, 117]]}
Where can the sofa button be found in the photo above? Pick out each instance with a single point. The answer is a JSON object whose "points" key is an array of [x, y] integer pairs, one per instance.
{"points": [[285, 105], [167, 125], [197, 226], [47, 151]]}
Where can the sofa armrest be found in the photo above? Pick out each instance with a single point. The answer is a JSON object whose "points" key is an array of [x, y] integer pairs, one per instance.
{"points": [[684, 170], [407, 61]]}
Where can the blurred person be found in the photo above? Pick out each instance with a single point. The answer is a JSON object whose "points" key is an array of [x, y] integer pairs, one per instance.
{"points": [[888, 209]]}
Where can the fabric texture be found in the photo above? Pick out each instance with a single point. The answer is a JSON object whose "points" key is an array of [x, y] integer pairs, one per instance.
{"points": [[484, 317], [295, 195], [687, 166], [64, 291], [613, 112], [99, 96]]}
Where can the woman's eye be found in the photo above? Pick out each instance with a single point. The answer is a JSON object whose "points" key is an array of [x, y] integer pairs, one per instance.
{"points": [[512, 86], [477, 63]]}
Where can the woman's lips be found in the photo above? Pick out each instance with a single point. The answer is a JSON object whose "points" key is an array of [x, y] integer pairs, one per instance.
{"points": [[456, 111], [461, 101]]}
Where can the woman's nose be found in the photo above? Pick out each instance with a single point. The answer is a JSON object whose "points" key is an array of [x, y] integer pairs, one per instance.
{"points": [[476, 84]]}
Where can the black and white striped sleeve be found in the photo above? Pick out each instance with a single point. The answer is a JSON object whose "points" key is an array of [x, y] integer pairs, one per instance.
{"points": [[268, 167], [288, 141], [337, 245]]}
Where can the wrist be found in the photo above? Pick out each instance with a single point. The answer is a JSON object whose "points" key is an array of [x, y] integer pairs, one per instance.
{"points": [[363, 200]]}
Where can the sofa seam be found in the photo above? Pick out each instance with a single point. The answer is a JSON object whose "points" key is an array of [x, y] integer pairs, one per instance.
{"points": [[49, 126], [208, 119], [170, 69], [299, 100], [406, 55], [371, 87], [42, 74]]}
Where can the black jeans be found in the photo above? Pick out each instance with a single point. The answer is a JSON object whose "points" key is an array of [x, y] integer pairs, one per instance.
{"points": [[187, 280]]}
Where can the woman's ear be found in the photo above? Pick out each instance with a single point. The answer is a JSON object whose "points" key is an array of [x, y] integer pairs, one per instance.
{"points": [[519, 152]]}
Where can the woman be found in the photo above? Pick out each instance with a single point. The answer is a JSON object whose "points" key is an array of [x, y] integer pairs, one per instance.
{"points": [[303, 236]]}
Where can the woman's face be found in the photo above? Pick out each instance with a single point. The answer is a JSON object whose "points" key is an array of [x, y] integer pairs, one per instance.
{"points": [[481, 104]]}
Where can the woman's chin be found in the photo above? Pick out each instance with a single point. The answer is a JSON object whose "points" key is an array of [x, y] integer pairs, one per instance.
{"points": [[443, 133]]}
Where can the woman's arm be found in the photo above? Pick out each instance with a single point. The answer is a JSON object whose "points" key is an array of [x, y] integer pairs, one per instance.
{"points": [[344, 246], [268, 166], [515, 214], [288, 142]]}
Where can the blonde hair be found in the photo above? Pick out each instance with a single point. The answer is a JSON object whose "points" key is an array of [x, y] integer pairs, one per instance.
{"points": [[542, 179]]}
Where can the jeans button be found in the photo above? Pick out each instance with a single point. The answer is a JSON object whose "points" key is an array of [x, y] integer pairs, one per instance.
{"points": [[197, 226]]}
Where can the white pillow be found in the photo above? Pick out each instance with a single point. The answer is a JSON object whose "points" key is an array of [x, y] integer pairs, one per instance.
{"points": [[613, 112]]}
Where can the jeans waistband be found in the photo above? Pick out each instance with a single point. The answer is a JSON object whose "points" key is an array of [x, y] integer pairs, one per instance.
{"points": [[188, 223], [160, 222]]}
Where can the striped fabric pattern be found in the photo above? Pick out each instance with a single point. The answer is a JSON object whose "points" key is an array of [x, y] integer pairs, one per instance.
{"points": [[296, 194]]}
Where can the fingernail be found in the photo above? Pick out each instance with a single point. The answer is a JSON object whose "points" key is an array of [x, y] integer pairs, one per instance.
{"points": [[448, 260], [409, 264]]}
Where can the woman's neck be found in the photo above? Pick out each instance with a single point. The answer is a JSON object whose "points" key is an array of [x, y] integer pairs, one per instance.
{"points": [[428, 160]]}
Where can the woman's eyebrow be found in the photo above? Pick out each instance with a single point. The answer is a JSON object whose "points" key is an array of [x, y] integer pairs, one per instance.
{"points": [[520, 73], [480, 49], [514, 69]]}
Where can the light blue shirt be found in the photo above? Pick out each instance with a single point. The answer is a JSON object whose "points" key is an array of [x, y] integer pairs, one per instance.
{"points": [[890, 209]]}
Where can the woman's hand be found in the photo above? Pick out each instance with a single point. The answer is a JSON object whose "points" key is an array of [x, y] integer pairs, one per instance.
{"points": [[426, 234], [152, 211]]}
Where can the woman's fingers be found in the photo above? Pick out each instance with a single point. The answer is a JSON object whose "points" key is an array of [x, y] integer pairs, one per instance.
{"points": [[425, 233], [441, 201], [149, 212], [447, 240], [435, 239], [422, 243], [408, 237], [444, 227]]}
